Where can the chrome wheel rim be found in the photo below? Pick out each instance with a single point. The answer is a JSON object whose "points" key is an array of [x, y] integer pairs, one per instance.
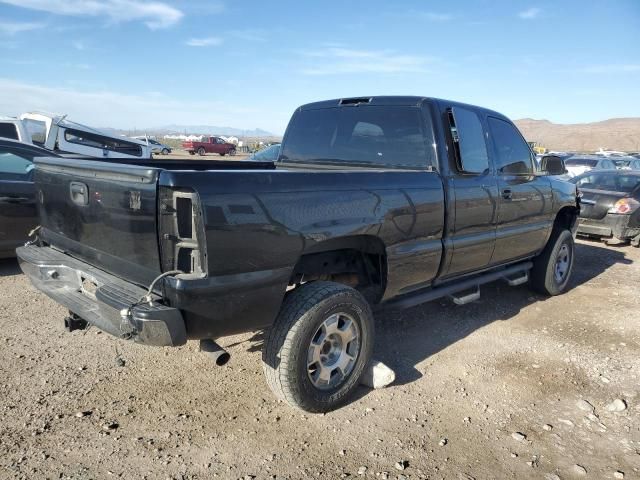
{"points": [[333, 351], [563, 261]]}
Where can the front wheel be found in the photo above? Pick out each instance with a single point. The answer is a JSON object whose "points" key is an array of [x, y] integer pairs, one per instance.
{"points": [[165, 151], [232, 152], [552, 268], [319, 346]]}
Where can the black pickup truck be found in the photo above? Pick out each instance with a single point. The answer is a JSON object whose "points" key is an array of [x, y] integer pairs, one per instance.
{"points": [[381, 200]]}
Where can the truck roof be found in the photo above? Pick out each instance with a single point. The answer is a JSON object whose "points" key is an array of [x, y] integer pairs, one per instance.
{"points": [[390, 100]]}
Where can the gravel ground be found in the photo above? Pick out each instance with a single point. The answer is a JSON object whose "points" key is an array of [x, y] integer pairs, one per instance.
{"points": [[511, 386]]}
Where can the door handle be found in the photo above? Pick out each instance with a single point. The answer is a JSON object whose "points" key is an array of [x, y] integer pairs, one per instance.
{"points": [[506, 194]]}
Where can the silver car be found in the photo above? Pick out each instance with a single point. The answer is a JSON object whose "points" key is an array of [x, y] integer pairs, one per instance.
{"points": [[157, 147]]}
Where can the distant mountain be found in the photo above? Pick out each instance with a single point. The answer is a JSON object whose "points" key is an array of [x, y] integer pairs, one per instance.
{"points": [[613, 134], [192, 129], [211, 130]]}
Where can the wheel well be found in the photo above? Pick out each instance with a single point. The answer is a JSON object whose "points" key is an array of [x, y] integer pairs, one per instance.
{"points": [[566, 218], [359, 262]]}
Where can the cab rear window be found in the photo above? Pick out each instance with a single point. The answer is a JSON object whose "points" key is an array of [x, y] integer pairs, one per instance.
{"points": [[376, 136], [581, 162]]}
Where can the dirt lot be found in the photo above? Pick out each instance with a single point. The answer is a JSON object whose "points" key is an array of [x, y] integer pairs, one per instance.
{"points": [[494, 389]]}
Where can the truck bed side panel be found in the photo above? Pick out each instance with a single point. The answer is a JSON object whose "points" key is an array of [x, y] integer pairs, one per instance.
{"points": [[259, 223]]}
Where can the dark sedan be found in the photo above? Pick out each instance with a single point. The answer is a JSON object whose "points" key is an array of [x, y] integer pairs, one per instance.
{"points": [[17, 196], [610, 205]]}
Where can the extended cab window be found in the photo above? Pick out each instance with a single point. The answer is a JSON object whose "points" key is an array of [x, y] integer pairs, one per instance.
{"points": [[388, 136], [469, 142], [513, 153]]}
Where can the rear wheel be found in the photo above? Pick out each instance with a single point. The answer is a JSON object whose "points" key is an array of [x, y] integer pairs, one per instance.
{"points": [[191, 152], [319, 346], [552, 268], [201, 151]]}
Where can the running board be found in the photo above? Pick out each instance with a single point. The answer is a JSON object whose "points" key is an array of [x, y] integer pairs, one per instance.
{"points": [[468, 298], [515, 280], [514, 275]]}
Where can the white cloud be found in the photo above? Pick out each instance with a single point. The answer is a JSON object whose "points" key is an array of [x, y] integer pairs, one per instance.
{"points": [[249, 35], [612, 68], [119, 110], [153, 14], [530, 13], [435, 17], [339, 60], [204, 42], [12, 28]]}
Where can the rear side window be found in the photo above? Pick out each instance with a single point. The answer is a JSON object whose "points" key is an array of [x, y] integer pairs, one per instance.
{"points": [[581, 162], [513, 156], [14, 166], [468, 139], [388, 136], [8, 130], [93, 140], [609, 181]]}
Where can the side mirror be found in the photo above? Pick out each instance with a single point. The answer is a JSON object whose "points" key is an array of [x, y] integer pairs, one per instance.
{"points": [[552, 165]]}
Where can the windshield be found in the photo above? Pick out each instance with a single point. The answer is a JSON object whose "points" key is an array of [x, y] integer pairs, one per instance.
{"points": [[389, 136], [613, 182], [269, 154], [581, 162]]}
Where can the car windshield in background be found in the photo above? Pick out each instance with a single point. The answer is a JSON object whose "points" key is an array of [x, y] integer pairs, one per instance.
{"points": [[581, 162], [268, 154], [612, 182], [389, 136]]}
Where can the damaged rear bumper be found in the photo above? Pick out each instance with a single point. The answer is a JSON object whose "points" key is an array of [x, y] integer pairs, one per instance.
{"points": [[612, 225], [102, 299]]}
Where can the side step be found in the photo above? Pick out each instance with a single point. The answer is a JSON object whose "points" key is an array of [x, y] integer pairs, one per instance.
{"points": [[515, 280], [467, 298], [514, 275]]}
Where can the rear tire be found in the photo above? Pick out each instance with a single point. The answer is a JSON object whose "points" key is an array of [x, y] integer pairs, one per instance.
{"points": [[552, 268], [319, 346], [201, 151], [191, 152]]}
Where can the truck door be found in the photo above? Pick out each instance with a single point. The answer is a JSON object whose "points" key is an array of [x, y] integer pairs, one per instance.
{"points": [[474, 186], [17, 199], [525, 201]]}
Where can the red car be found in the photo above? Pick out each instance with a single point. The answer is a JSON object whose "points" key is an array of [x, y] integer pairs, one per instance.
{"points": [[210, 145]]}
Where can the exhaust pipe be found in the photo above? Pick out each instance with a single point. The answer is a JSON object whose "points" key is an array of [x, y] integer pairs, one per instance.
{"points": [[218, 354]]}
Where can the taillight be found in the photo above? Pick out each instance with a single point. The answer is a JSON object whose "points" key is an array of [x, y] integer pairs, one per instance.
{"points": [[625, 205], [182, 238]]}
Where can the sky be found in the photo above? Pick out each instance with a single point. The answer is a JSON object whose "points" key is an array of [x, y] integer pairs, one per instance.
{"points": [[248, 64]]}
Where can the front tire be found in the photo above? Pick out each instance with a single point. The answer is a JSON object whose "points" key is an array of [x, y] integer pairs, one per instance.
{"points": [[552, 268], [319, 346], [165, 151]]}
